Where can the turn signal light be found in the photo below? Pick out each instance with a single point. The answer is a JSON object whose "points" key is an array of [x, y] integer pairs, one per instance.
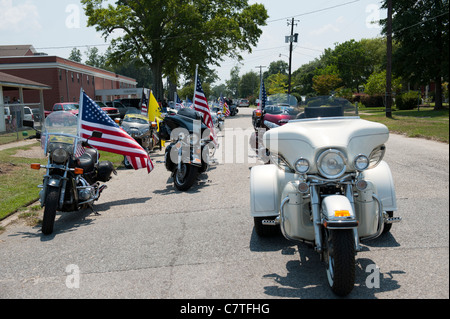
{"points": [[35, 166], [258, 113], [341, 213], [78, 171]]}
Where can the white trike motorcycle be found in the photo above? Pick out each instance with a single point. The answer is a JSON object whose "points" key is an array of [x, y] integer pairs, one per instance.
{"points": [[328, 185]]}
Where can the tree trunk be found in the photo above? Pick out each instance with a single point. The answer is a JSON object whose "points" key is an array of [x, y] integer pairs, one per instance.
{"points": [[438, 95], [158, 90]]}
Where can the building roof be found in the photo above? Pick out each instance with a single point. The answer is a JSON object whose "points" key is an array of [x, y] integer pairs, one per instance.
{"points": [[14, 81], [17, 50], [46, 61]]}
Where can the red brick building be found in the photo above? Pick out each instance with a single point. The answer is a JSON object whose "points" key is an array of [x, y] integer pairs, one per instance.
{"points": [[65, 78]]}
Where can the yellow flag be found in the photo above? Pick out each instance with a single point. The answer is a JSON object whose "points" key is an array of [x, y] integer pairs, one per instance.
{"points": [[153, 108]]}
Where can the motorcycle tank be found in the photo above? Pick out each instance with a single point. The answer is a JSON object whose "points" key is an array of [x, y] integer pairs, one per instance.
{"points": [[184, 118], [309, 137]]}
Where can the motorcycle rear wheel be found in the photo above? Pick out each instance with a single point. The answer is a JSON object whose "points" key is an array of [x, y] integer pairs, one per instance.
{"points": [[184, 178], [340, 260], [50, 207]]}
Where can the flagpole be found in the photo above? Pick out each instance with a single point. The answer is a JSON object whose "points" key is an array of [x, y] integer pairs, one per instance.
{"points": [[80, 113], [195, 84]]}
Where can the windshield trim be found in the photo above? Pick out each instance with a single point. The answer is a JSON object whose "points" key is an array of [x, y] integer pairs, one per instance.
{"points": [[326, 118]]}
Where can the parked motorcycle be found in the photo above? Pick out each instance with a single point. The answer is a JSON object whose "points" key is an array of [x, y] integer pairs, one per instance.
{"points": [[189, 153], [327, 185], [218, 117], [73, 172], [143, 131]]}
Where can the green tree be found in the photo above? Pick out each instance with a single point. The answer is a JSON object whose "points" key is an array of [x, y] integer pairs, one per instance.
{"points": [[75, 55], [351, 61], [94, 58], [173, 36], [276, 83], [249, 84], [376, 84], [422, 30], [233, 82], [325, 83]]}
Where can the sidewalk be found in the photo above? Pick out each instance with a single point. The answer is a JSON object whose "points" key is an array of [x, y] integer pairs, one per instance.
{"points": [[17, 144]]}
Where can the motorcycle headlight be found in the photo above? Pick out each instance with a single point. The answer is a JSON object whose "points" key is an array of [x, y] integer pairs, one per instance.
{"points": [[60, 156], [302, 166], [332, 163], [376, 156], [361, 162]]}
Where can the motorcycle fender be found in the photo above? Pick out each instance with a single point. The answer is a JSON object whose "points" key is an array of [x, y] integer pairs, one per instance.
{"points": [[381, 177], [337, 212], [54, 181], [264, 192]]}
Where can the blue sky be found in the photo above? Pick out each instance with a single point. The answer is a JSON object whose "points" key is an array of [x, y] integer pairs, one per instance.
{"points": [[54, 27]]}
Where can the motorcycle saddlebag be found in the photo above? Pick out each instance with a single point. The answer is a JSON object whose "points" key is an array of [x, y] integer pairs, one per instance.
{"points": [[105, 170]]}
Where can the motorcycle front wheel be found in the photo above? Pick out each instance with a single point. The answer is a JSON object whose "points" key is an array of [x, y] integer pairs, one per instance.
{"points": [[50, 207], [185, 177], [340, 260]]}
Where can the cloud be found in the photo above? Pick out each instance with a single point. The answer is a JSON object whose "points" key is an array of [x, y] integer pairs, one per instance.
{"points": [[19, 18]]}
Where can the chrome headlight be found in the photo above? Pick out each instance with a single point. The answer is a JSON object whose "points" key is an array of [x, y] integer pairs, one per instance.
{"points": [[331, 163], [361, 163], [60, 156], [302, 166], [376, 156]]}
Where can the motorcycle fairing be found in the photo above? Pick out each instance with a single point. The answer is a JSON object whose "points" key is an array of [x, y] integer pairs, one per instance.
{"points": [[383, 181]]}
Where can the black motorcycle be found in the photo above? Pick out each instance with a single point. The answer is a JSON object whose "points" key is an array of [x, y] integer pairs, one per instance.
{"points": [[143, 131], [190, 149], [73, 172]]}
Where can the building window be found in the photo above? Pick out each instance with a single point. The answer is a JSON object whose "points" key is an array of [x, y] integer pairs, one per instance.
{"points": [[78, 77], [72, 76], [60, 74], [87, 77]]}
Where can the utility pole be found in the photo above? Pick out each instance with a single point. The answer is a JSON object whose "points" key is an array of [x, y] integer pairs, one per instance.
{"points": [[292, 38], [389, 62]]}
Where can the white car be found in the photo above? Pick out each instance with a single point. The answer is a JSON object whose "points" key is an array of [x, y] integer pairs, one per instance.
{"points": [[28, 114]]}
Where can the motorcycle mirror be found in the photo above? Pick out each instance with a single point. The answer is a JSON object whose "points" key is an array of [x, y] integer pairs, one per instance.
{"points": [[97, 134]]}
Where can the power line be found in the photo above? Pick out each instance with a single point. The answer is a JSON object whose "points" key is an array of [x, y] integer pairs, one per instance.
{"points": [[315, 11]]}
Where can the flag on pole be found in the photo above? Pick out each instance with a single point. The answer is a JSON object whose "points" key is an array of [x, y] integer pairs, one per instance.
{"points": [[114, 139], [201, 105], [144, 103], [263, 97], [153, 108]]}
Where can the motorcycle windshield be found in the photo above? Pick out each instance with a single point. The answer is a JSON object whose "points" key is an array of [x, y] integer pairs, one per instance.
{"points": [[326, 107], [60, 131]]}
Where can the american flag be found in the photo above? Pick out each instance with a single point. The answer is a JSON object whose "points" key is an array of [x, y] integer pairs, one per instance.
{"points": [[201, 105], [144, 104], [114, 139], [224, 106], [263, 96]]}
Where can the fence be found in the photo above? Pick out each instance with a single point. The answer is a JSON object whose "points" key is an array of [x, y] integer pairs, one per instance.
{"points": [[15, 118]]}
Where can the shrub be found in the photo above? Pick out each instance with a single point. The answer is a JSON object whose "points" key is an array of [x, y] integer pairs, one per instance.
{"points": [[407, 101], [372, 100]]}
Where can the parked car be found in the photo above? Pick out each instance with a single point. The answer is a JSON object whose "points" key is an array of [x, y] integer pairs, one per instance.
{"points": [[243, 103], [111, 111], [36, 114], [118, 105], [66, 106], [27, 114]]}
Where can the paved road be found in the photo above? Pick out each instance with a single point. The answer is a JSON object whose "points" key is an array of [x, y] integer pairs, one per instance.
{"points": [[152, 241]]}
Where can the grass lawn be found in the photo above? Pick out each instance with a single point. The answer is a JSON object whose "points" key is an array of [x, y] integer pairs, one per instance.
{"points": [[18, 182], [423, 123]]}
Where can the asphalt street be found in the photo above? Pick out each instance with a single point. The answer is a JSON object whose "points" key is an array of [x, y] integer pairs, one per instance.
{"points": [[152, 241]]}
